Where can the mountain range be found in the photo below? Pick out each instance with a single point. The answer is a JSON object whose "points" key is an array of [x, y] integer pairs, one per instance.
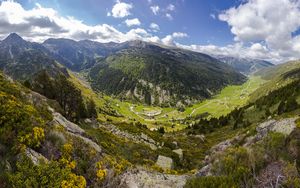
{"points": [[246, 66], [136, 70], [61, 125]]}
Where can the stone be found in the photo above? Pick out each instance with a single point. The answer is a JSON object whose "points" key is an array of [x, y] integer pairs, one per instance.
{"points": [[165, 163], [285, 126], [87, 120], [141, 178], [144, 136], [179, 152], [35, 157], [204, 171], [202, 137]]}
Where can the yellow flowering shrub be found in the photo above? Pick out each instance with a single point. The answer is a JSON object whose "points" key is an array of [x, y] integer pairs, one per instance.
{"points": [[118, 165], [66, 158], [33, 139], [101, 172], [74, 181]]}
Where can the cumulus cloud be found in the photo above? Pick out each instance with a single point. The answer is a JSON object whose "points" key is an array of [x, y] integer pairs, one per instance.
{"points": [[272, 22], [169, 39], [39, 23], [154, 27], [155, 9], [132, 22], [169, 16], [171, 7], [120, 10]]}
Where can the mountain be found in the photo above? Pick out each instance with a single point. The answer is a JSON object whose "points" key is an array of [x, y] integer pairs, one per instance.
{"points": [[256, 145], [244, 65], [21, 59], [78, 55], [277, 76], [153, 74]]}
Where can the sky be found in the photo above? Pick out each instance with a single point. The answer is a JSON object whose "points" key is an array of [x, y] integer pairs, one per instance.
{"points": [[261, 29]]}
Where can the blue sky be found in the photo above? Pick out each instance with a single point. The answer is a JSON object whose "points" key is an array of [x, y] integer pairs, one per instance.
{"points": [[194, 17], [261, 29]]}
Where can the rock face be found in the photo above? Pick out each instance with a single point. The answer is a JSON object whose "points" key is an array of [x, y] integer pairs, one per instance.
{"points": [[285, 126], [35, 157], [69, 126], [73, 129], [87, 141], [139, 178], [165, 163]]}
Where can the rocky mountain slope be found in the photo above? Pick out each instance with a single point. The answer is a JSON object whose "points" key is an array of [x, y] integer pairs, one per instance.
{"points": [[78, 55], [22, 59]]}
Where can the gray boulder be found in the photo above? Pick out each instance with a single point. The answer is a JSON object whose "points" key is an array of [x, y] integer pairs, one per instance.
{"points": [[35, 157], [165, 163]]}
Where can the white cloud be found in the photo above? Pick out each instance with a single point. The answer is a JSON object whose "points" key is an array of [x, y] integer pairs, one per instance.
{"points": [[171, 7], [179, 35], [39, 23], [154, 27], [261, 31], [155, 9], [120, 10], [272, 22], [169, 16], [255, 51], [169, 39], [132, 22]]}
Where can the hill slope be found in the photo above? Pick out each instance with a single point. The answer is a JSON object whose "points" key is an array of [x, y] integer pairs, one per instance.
{"points": [[278, 76], [156, 75]]}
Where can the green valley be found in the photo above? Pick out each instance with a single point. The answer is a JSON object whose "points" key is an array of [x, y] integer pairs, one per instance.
{"points": [[229, 98], [138, 114]]}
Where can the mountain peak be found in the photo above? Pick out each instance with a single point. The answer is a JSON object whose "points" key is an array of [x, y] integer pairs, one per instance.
{"points": [[13, 38]]}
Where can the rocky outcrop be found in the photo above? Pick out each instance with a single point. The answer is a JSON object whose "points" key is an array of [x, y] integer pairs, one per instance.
{"points": [[87, 141], [142, 138], [35, 157], [69, 126], [284, 126], [73, 130], [165, 163], [140, 178]]}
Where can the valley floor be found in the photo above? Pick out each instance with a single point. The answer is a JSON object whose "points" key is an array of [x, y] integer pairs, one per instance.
{"points": [[172, 119]]}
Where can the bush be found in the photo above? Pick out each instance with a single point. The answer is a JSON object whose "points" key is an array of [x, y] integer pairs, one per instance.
{"points": [[43, 175], [234, 163]]}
